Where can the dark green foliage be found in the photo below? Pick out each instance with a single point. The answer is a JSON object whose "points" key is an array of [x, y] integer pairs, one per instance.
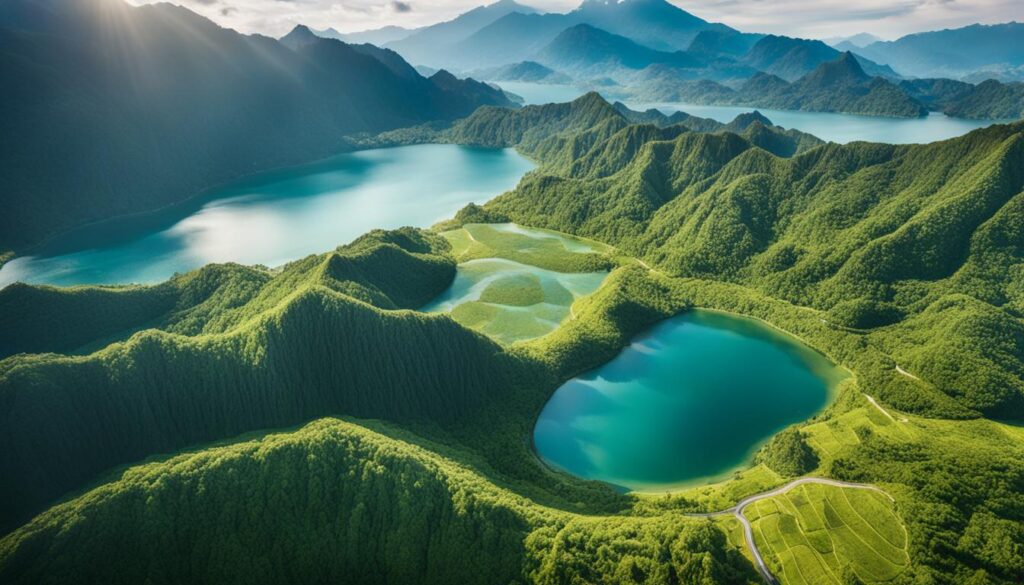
{"points": [[788, 454], [104, 122], [864, 313]]}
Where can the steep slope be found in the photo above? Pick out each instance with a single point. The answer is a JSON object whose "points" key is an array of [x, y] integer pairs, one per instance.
{"points": [[513, 37], [791, 58], [895, 231], [586, 51], [374, 506], [306, 342], [655, 23], [434, 45], [953, 52], [134, 108]]}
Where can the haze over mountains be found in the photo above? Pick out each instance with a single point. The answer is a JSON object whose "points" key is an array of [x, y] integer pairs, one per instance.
{"points": [[99, 91]]}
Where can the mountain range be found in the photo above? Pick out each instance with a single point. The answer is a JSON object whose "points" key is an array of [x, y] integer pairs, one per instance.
{"points": [[98, 90]]}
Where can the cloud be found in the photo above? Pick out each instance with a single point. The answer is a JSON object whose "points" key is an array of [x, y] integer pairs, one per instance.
{"points": [[228, 10], [400, 7]]}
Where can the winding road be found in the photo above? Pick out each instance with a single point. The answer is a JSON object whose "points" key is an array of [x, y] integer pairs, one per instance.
{"points": [[748, 531]]}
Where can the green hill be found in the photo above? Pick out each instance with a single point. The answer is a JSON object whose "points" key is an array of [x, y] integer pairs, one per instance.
{"points": [[894, 231]]}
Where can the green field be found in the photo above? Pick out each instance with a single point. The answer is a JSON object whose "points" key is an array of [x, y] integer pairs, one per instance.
{"points": [[812, 534]]}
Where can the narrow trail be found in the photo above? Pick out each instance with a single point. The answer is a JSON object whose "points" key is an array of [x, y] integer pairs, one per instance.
{"points": [[875, 403], [906, 373], [748, 531]]}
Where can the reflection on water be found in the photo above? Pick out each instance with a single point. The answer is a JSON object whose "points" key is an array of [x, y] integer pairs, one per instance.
{"points": [[686, 402], [279, 216]]}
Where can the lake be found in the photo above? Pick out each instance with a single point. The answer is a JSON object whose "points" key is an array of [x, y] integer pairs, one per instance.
{"points": [[687, 402], [275, 217], [840, 128]]}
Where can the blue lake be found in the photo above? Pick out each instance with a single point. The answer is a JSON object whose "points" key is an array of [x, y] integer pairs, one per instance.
{"points": [[687, 402], [278, 216]]}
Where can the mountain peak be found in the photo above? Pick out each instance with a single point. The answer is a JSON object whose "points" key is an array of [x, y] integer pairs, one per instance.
{"points": [[299, 36], [846, 69]]}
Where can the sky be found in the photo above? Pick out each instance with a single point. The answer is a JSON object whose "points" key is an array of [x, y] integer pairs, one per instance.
{"points": [[804, 18]]}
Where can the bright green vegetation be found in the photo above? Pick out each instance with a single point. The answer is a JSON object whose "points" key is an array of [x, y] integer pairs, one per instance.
{"points": [[879, 256], [788, 454], [502, 290], [818, 535]]}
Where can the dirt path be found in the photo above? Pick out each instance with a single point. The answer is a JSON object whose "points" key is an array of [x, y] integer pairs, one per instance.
{"points": [[883, 410], [748, 531]]}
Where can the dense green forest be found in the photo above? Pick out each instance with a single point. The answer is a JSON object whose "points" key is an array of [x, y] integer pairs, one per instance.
{"points": [[902, 264]]}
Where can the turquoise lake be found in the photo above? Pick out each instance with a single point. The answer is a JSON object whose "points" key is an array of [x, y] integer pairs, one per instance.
{"points": [[841, 128], [687, 402], [275, 217]]}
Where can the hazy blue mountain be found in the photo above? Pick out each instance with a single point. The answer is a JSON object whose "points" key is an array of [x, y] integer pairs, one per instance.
{"points": [[508, 33], [377, 36], [953, 52], [111, 109], [840, 85], [655, 23], [728, 43], [853, 41], [512, 38], [588, 51], [791, 58], [523, 71], [435, 45]]}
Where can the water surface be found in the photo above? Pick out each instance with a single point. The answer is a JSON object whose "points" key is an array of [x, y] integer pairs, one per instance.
{"points": [[687, 402], [278, 216]]}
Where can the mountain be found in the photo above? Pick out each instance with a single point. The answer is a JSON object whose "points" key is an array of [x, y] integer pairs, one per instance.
{"points": [[655, 23], [512, 38], [987, 100], [953, 52], [377, 36], [833, 86], [586, 51], [851, 42], [727, 43], [434, 45], [507, 33], [110, 123], [791, 58], [530, 71]]}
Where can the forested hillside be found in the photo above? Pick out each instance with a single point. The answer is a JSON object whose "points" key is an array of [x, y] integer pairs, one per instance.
{"points": [[114, 109], [309, 341], [874, 234]]}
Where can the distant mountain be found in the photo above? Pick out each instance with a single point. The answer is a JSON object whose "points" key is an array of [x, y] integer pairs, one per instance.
{"points": [[377, 36], [724, 43], [953, 53], [791, 58], [854, 41], [507, 32], [584, 50], [834, 86], [523, 71], [512, 38], [435, 45], [99, 123], [654, 23]]}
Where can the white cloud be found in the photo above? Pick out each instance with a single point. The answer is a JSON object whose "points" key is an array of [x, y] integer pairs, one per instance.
{"points": [[807, 18]]}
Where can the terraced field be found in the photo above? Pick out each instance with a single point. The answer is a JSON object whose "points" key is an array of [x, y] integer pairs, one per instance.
{"points": [[817, 534]]}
